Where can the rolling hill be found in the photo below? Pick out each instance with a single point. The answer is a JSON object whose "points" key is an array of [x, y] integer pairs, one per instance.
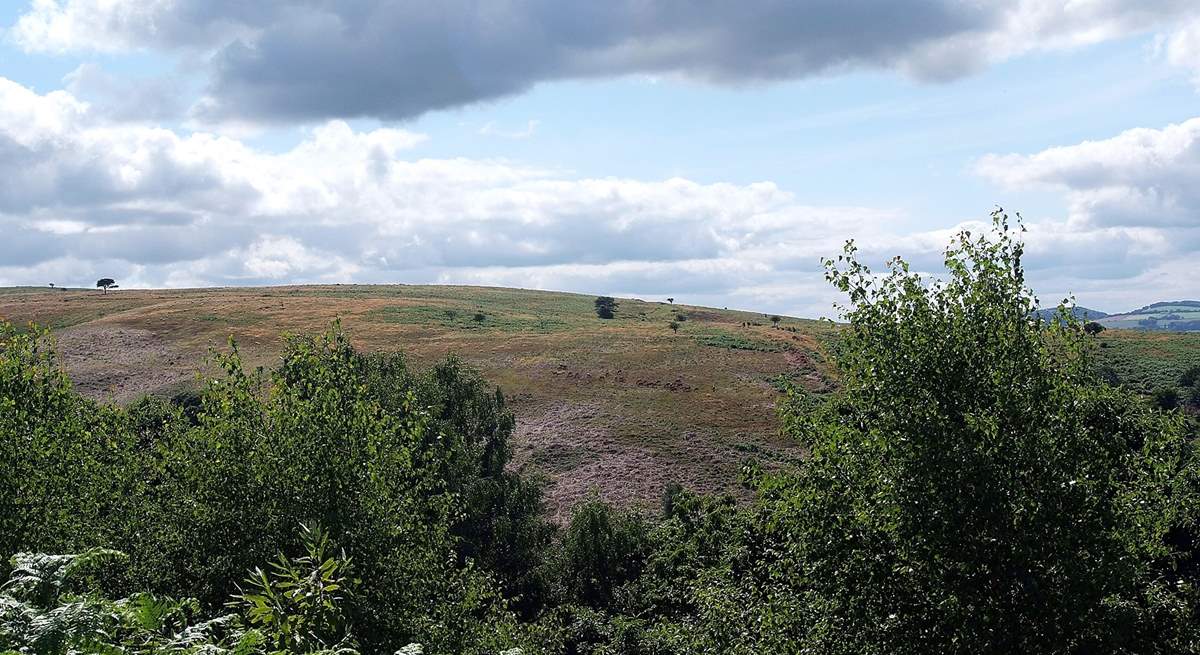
{"points": [[624, 405], [1173, 316]]}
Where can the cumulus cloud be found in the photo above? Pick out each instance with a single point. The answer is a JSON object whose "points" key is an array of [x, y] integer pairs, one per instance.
{"points": [[82, 197], [1140, 178], [302, 60], [1133, 220]]}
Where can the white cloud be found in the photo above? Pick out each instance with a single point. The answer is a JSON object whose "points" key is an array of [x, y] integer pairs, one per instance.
{"points": [[81, 198], [1141, 177], [1132, 231]]}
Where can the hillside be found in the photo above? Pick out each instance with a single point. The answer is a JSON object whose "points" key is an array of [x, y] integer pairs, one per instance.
{"points": [[624, 405], [1176, 316]]}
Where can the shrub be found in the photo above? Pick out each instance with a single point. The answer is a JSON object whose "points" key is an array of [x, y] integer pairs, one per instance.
{"points": [[1166, 398], [602, 549], [1189, 377], [606, 307]]}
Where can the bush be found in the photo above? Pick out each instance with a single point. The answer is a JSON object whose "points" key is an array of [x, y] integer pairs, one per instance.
{"points": [[1166, 398], [606, 307], [601, 550]]}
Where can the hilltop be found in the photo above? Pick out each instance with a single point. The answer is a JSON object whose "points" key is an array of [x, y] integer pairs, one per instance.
{"points": [[623, 405]]}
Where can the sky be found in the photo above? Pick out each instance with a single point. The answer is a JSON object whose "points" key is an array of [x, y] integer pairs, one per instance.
{"points": [[712, 152]]}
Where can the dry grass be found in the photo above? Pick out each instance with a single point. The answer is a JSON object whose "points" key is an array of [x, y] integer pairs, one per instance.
{"points": [[621, 406]]}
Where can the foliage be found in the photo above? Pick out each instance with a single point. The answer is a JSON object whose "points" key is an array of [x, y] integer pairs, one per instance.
{"points": [[39, 614], [606, 307], [601, 549], [106, 283], [299, 603], [404, 470], [1093, 328], [954, 480], [1190, 377], [1166, 398]]}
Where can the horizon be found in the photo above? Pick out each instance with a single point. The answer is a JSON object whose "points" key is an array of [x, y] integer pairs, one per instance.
{"points": [[596, 150], [682, 302]]}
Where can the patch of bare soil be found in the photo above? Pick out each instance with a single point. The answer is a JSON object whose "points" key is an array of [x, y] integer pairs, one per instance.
{"points": [[119, 363], [571, 445]]}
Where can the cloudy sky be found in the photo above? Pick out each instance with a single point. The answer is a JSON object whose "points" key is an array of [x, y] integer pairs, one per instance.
{"points": [[708, 151]]}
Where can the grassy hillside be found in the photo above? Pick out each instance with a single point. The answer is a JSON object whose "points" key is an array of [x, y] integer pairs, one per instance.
{"points": [[1145, 361], [1183, 315], [623, 405]]}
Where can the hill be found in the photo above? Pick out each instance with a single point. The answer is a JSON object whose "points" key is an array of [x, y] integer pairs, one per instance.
{"points": [[1176, 316], [623, 405], [1081, 313]]}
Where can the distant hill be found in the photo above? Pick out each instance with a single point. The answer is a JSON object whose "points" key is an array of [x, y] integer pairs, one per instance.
{"points": [[1081, 313], [1170, 316], [625, 405]]}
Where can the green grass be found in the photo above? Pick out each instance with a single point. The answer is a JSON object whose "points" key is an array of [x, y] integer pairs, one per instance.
{"points": [[461, 318], [1144, 361], [739, 342]]}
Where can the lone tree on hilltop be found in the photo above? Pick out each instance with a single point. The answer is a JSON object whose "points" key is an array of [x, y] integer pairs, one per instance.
{"points": [[775, 320], [106, 283], [606, 307], [671, 300]]}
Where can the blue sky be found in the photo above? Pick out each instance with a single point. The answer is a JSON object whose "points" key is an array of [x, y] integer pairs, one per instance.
{"points": [[207, 144]]}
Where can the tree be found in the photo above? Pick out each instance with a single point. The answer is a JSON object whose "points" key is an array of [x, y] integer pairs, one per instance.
{"points": [[671, 300], [602, 548], [606, 307], [674, 325], [1093, 328], [775, 320], [967, 459], [106, 283]]}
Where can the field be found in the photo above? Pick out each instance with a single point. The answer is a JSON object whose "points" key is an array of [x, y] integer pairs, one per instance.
{"points": [[1171, 316], [1144, 360], [622, 406]]}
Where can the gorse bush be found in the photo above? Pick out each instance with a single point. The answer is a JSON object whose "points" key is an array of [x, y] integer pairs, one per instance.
{"points": [[973, 485]]}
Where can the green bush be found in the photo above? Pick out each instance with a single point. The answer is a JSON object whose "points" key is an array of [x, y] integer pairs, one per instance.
{"points": [[405, 471]]}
